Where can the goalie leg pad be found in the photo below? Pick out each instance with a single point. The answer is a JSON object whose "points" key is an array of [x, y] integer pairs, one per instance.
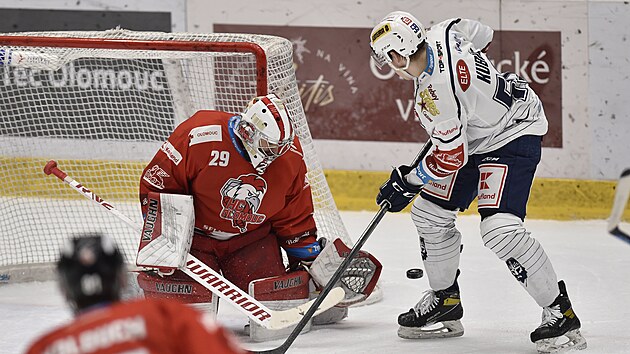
{"points": [[440, 242], [177, 286], [358, 280], [526, 259], [279, 293]]}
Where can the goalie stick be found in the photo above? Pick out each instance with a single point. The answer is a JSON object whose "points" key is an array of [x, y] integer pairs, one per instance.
{"points": [[622, 192], [344, 265], [211, 279]]}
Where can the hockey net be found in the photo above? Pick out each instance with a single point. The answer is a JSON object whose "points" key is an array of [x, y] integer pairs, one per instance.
{"points": [[101, 104]]}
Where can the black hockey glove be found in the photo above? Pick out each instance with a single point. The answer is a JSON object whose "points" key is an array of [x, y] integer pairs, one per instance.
{"points": [[397, 192]]}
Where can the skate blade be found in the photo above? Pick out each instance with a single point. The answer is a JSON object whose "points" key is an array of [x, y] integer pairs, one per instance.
{"points": [[575, 342], [444, 329]]}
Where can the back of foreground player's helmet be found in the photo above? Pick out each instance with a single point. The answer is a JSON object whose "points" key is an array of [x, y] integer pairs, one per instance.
{"points": [[398, 31], [265, 130], [91, 271]]}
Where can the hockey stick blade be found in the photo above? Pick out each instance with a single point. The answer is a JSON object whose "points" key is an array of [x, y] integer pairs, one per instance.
{"points": [[620, 234], [292, 316]]}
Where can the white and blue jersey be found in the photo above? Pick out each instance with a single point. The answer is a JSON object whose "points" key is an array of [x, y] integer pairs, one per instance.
{"points": [[466, 106]]}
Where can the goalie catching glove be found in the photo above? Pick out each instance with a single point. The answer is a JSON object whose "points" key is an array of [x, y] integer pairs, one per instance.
{"points": [[358, 280]]}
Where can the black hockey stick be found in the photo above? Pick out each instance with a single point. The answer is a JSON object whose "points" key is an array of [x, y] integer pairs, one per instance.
{"points": [[339, 272], [620, 234]]}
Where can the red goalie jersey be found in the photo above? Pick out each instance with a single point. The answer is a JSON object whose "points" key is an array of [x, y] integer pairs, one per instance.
{"points": [[202, 158], [143, 326]]}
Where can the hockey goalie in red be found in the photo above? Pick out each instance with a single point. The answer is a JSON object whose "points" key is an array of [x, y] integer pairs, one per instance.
{"points": [[251, 196], [92, 276]]}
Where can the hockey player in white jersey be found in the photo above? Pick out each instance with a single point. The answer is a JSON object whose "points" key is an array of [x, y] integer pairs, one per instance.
{"points": [[486, 129]]}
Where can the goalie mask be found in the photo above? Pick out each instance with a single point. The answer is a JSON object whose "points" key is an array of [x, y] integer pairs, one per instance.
{"points": [[91, 271], [265, 130], [398, 31]]}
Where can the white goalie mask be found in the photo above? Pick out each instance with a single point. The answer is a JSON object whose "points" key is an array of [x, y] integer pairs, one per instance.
{"points": [[265, 130], [398, 31]]}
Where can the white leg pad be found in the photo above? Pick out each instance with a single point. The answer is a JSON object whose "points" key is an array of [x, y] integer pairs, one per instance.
{"points": [[525, 257], [440, 242]]}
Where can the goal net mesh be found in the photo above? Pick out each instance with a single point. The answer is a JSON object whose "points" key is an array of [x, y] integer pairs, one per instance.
{"points": [[101, 104]]}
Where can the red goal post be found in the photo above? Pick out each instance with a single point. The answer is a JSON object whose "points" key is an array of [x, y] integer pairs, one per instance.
{"points": [[101, 103]]}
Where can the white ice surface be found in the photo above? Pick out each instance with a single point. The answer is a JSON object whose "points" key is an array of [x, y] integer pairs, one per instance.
{"points": [[499, 314]]}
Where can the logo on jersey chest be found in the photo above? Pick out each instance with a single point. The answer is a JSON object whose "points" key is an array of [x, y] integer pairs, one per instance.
{"points": [[427, 103], [240, 198], [463, 75]]}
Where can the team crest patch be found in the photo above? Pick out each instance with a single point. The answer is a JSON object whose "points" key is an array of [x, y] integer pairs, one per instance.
{"points": [[155, 176], [517, 270], [240, 198]]}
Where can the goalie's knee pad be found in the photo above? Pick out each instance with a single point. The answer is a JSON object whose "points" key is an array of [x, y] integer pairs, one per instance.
{"points": [[279, 293], [177, 286], [526, 259], [440, 242]]}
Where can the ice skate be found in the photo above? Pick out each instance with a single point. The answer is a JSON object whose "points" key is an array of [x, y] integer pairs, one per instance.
{"points": [[559, 321], [437, 315]]}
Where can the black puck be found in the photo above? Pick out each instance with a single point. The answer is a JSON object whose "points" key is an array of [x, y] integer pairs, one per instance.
{"points": [[415, 273]]}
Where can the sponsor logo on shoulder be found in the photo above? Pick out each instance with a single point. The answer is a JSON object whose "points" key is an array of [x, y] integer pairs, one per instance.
{"points": [[204, 134], [426, 104], [458, 43], [171, 152]]}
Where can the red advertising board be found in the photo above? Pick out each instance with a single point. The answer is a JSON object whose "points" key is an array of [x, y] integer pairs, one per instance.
{"points": [[345, 97]]}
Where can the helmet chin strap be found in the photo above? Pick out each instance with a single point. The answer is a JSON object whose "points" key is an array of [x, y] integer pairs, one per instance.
{"points": [[403, 71]]}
